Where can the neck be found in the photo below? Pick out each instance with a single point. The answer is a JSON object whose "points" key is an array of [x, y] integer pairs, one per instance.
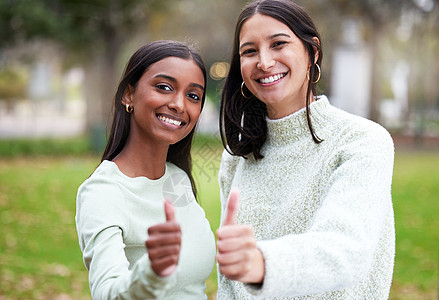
{"points": [[142, 159], [294, 127], [274, 112]]}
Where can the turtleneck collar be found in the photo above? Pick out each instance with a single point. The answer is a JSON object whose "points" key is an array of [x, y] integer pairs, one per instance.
{"points": [[295, 126]]}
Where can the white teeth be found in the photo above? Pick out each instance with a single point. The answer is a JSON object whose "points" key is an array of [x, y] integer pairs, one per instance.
{"points": [[272, 78], [170, 121]]}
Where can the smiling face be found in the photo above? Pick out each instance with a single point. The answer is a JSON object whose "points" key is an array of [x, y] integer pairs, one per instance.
{"points": [[166, 101], [274, 65]]}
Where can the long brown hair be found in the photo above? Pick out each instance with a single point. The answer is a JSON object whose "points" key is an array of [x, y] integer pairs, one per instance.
{"points": [[178, 153], [243, 126]]}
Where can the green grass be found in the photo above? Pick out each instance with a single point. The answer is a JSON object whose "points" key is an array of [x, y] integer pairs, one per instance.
{"points": [[415, 193], [207, 156], [40, 256]]}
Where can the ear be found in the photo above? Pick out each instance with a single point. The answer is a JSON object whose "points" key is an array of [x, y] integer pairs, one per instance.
{"points": [[316, 51], [127, 97]]}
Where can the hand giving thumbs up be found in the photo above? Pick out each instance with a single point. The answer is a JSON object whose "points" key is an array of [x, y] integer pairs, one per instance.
{"points": [[238, 258], [164, 243]]}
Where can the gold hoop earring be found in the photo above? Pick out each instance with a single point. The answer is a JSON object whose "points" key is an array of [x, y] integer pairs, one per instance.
{"points": [[129, 108], [320, 73], [242, 91], [318, 77]]}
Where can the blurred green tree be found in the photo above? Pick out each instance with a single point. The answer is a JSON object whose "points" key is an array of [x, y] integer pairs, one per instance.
{"points": [[382, 20], [12, 86], [91, 32], [95, 34], [379, 18]]}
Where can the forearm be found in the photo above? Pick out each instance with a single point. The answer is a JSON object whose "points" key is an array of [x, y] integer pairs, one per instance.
{"points": [[110, 276], [138, 283]]}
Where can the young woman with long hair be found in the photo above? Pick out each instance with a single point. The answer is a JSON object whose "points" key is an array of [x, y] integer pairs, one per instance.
{"points": [[142, 233], [305, 187]]}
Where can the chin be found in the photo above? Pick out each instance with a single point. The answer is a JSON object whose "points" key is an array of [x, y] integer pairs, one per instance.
{"points": [[271, 99]]}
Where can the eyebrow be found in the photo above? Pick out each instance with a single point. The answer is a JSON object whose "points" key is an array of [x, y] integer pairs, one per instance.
{"points": [[175, 80], [268, 38]]}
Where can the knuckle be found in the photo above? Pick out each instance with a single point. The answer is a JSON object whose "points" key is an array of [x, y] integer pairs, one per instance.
{"points": [[247, 268], [249, 229], [174, 259], [153, 229], [234, 275], [220, 233], [154, 265], [247, 256], [178, 238], [220, 246], [174, 225], [222, 269], [152, 254], [250, 243]]}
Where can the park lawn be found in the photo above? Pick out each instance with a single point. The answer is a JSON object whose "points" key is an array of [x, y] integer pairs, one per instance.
{"points": [[40, 256], [39, 252], [415, 192]]}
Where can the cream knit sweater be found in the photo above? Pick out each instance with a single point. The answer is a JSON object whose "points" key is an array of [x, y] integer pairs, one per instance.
{"points": [[322, 213]]}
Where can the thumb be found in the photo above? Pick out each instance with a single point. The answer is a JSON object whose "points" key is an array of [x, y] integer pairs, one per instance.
{"points": [[169, 211], [232, 208]]}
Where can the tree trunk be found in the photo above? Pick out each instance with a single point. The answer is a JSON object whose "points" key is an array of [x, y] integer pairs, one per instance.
{"points": [[100, 88], [375, 92]]}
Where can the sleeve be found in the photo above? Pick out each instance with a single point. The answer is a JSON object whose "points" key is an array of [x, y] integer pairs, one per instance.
{"points": [[101, 225], [337, 251]]}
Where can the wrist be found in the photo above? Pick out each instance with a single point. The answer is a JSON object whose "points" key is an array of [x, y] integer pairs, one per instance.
{"points": [[257, 273]]}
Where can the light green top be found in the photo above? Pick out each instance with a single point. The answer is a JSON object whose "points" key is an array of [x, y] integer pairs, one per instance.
{"points": [[322, 213], [113, 214]]}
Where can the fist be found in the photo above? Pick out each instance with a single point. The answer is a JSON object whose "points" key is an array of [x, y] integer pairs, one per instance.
{"points": [[164, 243], [238, 257]]}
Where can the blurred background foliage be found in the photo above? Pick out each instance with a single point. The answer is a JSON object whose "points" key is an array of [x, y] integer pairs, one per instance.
{"points": [[98, 36], [60, 62]]}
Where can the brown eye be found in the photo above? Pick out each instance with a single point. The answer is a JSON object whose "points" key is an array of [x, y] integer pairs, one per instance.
{"points": [[163, 87], [277, 44], [194, 96], [248, 51]]}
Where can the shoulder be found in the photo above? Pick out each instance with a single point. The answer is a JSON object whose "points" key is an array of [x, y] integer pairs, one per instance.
{"points": [[101, 191], [349, 128], [228, 162], [229, 159], [100, 204], [103, 180]]}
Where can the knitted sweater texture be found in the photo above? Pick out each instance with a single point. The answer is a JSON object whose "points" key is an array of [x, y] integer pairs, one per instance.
{"points": [[113, 214], [322, 213]]}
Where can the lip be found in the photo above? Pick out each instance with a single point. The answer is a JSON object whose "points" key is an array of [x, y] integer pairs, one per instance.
{"points": [[170, 120], [271, 78]]}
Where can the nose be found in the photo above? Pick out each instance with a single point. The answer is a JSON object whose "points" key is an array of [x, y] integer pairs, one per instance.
{"points": [[177, 104], [266, 61]]}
